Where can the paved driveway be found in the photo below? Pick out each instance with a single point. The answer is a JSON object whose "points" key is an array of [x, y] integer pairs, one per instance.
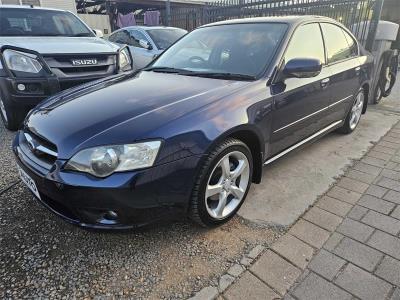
{"points": [[294, 182]]}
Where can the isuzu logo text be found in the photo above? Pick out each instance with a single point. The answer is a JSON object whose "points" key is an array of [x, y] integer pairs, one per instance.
{"points": [[84, 62]]}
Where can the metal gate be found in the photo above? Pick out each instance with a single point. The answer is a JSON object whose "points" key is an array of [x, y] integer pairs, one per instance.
{"points": [[360, 16]]}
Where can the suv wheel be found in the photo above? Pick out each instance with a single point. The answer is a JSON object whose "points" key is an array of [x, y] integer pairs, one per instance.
{"points": [[354, 115], [222, 184], [12, 118]]}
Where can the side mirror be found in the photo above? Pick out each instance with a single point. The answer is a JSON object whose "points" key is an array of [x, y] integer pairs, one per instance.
{"points": [[145, 44], [98, 33], [302, 68]]}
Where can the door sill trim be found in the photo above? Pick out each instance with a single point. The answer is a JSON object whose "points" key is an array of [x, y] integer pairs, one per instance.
{"points": [[302, 142]]}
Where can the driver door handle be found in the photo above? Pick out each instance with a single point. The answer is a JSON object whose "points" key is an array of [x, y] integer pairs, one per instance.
{"points": [[325, 82]]}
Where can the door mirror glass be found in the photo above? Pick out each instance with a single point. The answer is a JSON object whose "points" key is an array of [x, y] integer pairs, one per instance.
{"points": [[145, 44], [98, 33], [302, 68]]}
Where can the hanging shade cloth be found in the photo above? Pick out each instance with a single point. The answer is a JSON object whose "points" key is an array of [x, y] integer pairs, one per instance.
{"points": [[152, 18], [126, 20]]}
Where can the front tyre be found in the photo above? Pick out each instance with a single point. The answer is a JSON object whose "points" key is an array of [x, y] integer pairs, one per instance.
{"points": [[354, 115], [222, 184]]}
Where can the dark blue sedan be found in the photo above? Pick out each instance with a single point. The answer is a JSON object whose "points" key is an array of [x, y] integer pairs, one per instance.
{"points": [[188, 135]]}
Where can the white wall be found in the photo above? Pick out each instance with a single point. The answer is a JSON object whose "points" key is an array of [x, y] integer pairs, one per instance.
{"points": [[101, 22], [60, 4]]}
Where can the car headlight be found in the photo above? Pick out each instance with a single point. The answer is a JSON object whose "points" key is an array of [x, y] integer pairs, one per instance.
{"points": [[104, 160], [124, 60], [23, 62]]}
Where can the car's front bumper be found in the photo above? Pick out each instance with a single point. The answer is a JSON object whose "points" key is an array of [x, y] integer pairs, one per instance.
{"points": [[138, 198]]}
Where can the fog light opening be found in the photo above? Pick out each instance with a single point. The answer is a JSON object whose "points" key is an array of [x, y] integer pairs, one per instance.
{"points": [[111, 215]]}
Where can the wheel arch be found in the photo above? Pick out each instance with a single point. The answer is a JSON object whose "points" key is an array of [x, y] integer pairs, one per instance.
{"points": [[253, 139]]}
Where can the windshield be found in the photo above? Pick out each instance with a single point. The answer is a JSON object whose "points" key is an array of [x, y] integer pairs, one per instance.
{"points": [[37, 22], [240, 49], [163, 38]]}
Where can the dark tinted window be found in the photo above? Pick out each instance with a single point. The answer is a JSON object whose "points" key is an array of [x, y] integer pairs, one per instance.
{"points": [[336, 43], [306, 43], [163, 38], [37, 22], [239, 48], [120, 37], [352, 43]]}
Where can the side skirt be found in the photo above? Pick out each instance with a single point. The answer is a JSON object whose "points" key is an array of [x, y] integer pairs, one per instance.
{"points": [[295, 146]]}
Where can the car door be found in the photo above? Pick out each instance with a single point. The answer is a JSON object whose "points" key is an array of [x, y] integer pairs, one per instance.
{"points": [[300, 104], [343, 65], [141, 56]]}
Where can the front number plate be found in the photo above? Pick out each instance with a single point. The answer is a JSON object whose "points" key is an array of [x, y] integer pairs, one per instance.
{"points": [[28, 181]]}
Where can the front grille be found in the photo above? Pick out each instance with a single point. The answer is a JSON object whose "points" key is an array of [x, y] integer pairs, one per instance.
{"points": [[38, 149], [62, 65]]}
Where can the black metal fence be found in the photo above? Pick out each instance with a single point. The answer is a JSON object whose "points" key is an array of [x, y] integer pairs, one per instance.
{"points": [[360, 16]]}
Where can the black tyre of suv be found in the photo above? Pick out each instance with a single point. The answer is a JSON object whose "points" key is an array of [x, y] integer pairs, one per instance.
{"points": [[205, 201], [11, 116]]}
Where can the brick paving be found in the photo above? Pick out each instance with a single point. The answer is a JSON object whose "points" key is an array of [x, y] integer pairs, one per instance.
{"points": [[347, 246]]}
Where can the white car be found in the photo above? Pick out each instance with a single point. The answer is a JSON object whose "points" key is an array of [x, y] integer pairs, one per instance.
{"points": [[146, 42]]}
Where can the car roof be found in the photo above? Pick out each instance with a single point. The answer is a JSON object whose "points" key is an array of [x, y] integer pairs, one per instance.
{"points": [[30, 7], [292, 20], [149, 27]]}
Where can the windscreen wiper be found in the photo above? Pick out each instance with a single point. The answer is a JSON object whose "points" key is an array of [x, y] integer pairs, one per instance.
{"points": [[232, 76], [168, 70]]}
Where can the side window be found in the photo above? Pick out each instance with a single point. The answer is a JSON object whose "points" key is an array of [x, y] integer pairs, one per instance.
{"points": [[120, 37], [134, 38], [113, 37], [337, 46], [306, 43], [352, 43]]}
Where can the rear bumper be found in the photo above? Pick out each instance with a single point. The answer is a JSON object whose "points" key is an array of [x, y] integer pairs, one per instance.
{"points": [[138, 198]]}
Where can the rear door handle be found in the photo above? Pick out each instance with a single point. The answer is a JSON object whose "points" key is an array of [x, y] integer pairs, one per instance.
{"points": [[325, 82], [357, 70]]}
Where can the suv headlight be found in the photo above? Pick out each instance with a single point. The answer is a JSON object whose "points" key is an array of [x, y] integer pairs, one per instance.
{"points": [[104, 160], [23, 62], [125, 60]]}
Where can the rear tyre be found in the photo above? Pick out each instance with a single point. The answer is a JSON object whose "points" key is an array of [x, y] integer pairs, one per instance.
{"points": [[11, 117], [354, 115], [222, 184]]}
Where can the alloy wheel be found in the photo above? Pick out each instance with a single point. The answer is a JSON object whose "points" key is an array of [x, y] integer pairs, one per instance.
{"points": [[356, 111], [3, 110], [227, 185]]}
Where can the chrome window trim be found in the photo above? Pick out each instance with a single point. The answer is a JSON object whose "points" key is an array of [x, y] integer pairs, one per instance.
{"points": [[313, 114], [302, 142]]}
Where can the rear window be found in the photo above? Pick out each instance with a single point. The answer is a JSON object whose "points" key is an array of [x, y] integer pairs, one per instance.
{"points": [[36, 22], [163, 38]]}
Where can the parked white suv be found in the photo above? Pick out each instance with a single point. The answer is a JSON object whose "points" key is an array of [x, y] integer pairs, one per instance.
{"points": [[44, 51]]}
